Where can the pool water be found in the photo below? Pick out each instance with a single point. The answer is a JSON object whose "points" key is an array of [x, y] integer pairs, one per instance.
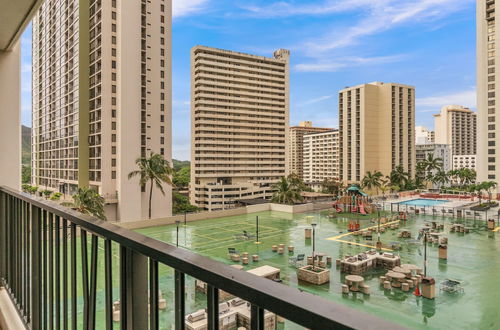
{"points": [[424, 202]]}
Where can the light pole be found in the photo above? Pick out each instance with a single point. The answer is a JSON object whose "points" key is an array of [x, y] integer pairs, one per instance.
{"points": [[379, 244], [257, 230], [185, 216], [425, 254], [314, 245], [177, 222]]}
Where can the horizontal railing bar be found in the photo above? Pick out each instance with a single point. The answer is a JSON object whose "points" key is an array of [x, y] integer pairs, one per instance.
{"points": [[299, 307]]}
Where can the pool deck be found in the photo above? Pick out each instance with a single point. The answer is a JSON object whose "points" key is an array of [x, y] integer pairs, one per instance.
{"points": [[472, 259]]}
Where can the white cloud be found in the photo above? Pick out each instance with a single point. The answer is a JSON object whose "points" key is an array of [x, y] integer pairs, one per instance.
{"points": [[466, 98], [384, 15], [317, 99], [187, 7], [282, 8], [331, 66]]}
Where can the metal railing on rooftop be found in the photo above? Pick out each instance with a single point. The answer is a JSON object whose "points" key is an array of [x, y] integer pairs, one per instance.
{"points": [[43, 269]]}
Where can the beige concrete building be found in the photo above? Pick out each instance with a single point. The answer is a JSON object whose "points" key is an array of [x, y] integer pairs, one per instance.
{"points": [[376, 129], [464, 161], [102, 98], [456, 125], [239, 125], [423, 135], [488, 161], [320, 157], [295, 156]]}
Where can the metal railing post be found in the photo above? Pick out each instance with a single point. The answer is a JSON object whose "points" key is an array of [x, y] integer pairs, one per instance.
{"points": [[180, 297], [3, 236], [134, 290], [212, 307], [36, 276]]}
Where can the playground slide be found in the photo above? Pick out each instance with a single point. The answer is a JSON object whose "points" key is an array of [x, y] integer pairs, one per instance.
{"points": [[337, 208], [362, 209]]}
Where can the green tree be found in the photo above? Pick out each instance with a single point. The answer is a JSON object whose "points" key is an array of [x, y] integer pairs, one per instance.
{"points": [[46, 193], [440, 178], [286, 192], [398, 177], [180, 204], [182, 177], [331, 186], [488, 186], [372, 180], [55, 196], [153, 169], [467, 175], [88, 201], [26, 174]]}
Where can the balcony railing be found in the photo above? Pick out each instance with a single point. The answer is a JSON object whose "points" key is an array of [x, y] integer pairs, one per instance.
{"points": [[48, 266]]}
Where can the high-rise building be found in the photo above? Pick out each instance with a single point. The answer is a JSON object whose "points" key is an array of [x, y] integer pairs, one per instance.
{"points": [[488, 161], [321, 157], [456, 125], [441, 151], [376, 129], [239, 125], [102, 99], [423, 135], [296, 149]]}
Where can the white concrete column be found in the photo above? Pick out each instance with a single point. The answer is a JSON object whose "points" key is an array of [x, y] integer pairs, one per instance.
{"points": [[10, 117]]}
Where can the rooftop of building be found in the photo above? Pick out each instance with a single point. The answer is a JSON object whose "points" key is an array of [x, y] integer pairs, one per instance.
{"points": [[376, 83], [275, 56]]}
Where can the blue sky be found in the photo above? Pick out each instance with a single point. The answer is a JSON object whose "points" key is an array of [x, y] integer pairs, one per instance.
{"points": [[334, 43]]}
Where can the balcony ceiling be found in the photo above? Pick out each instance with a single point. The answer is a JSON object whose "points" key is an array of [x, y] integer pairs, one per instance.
{"points": [[14, 17]]}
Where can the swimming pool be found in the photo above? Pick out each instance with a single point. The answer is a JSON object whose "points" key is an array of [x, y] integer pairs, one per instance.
{"points": [[424, 202]]}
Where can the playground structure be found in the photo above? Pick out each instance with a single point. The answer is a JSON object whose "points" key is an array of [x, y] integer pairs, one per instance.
{"points": [[356, 201]]}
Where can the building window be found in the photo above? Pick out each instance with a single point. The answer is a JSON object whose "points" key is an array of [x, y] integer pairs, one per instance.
{"points": [[113, 174]]}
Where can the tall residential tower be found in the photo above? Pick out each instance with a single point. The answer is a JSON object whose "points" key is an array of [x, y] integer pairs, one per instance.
{"points": [[296, 150], [376, 129], [102, 98], [239, 125], [488, 160]]}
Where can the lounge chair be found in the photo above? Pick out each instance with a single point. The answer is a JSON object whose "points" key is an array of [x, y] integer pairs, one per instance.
{"points": [[297, 261]]}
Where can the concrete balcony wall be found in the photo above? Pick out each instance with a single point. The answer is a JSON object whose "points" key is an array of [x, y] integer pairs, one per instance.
{"points": [[10, 117]]}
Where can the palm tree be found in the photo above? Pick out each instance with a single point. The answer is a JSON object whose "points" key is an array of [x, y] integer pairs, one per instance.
{"points": [[153, 169], [372, 180], [431, 166], [468, 175], [399, 177], [88, 201], [286, 193], [488, 185], [440, 178]]}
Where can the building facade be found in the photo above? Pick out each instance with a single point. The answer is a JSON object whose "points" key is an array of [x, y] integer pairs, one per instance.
{"points": [[296, 149], [376, 129], [423, 135], [320, 157], [442, 151], [464, 161], [488, 161], [239, 125], [456, 125], [102, 99]]}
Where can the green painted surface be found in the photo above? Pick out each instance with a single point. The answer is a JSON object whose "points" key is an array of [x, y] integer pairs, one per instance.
{"points": [[472, 258]]}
